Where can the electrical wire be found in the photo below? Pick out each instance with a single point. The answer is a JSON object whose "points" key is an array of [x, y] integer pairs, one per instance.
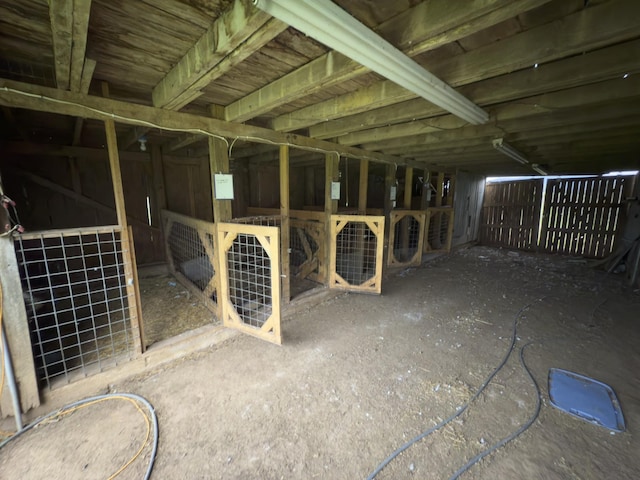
{"points": [[151, 421], [515, 434], [135, 121], [461, 409]]}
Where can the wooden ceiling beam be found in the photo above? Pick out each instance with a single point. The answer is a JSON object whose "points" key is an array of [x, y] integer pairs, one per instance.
{"points": [[604, 64], [589, 29], [35, 97], [424, 27], [235, 35], [61, 17], [81, 11], [567, 105]]}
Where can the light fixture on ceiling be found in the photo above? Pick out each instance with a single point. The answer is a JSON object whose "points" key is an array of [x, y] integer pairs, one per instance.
{"points": [[143, 143], [539, 169], [503, 147], [329, 24]]}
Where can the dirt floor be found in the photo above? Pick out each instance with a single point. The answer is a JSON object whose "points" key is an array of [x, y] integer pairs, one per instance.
{"points": [[360, 375]]}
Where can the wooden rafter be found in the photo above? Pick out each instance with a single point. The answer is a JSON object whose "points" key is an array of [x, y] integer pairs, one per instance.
{"points": [[583, 31], [234, 36], [34, 97], [61, 16], [424, 27]]}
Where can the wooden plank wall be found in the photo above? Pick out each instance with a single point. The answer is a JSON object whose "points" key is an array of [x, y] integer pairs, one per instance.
{"points": [[511, 214], [54, 192], [583, 215]]}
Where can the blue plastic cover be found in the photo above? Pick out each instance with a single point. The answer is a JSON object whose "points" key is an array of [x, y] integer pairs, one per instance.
{"points": [[585, 398]]}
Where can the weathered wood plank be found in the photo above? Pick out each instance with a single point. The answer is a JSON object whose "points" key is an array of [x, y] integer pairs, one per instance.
{"points": [[61, 14], [33, 97], [80, 26], [240, 30]]}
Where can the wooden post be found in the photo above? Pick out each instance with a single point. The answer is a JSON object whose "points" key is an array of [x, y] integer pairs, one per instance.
{"points": [[389, 183], [285, 227], [330, 206], [16, 327], [408, 190], [157, 170], [121, 212], [219, 163], [143, 342], [363, 187]]}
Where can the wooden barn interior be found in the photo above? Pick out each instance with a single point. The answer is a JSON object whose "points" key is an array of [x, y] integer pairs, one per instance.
{"points": [[237, 157]]}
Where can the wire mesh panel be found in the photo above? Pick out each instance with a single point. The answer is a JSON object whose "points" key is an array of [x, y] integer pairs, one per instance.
{"points": [[406, 237], [250, 279], [356, 253], [191, 254], [439, 225], [81, 313]]}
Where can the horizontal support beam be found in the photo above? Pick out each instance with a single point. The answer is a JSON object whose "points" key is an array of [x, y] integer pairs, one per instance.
{"points": [[34, 97]]}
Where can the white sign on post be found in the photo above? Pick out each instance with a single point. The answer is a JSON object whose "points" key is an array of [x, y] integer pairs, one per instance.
{"points": [[224, 186], [335, 190]]}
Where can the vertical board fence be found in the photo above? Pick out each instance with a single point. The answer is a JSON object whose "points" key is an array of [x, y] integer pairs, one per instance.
{"points": [[438, 230], [582, 215], [406, 237], [191, 255], [80, 301], [250, 279], [511, 214], [356, 253]]}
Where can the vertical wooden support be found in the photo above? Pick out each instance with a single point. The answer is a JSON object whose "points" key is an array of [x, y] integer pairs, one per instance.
{"points": [[159, 189], [285, 227], [439, 189], [363, 187], [219, 163], [121, 212], [452, 190], [16, 328], [389, 182], [330, 206], [143, 342], [405, 222]]}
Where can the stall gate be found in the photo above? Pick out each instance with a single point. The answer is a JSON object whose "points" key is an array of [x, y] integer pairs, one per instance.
{"points": [[80, 300], [250, 279], [406, 237], [356, 253]]}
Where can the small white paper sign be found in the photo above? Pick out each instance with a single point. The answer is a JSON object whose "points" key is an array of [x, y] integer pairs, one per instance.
{"points": [[393, 192], [335, 190], [224, 186]]}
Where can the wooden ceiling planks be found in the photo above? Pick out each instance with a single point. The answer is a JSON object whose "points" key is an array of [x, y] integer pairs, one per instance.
{"points": [[484, 49]]}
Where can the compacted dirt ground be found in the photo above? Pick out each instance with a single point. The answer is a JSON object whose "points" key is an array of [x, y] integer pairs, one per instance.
{"points": [[359, 375]]}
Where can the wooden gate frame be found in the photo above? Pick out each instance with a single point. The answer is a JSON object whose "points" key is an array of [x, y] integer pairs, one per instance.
{"points": [[376, 225], [396, 217], [269, 238], [202, 228]]}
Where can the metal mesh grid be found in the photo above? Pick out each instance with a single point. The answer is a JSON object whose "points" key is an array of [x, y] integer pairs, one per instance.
{"points": [[406, 239], [76, 299], [190, 257], [438, 230], [356, 253], [249, 270]]}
